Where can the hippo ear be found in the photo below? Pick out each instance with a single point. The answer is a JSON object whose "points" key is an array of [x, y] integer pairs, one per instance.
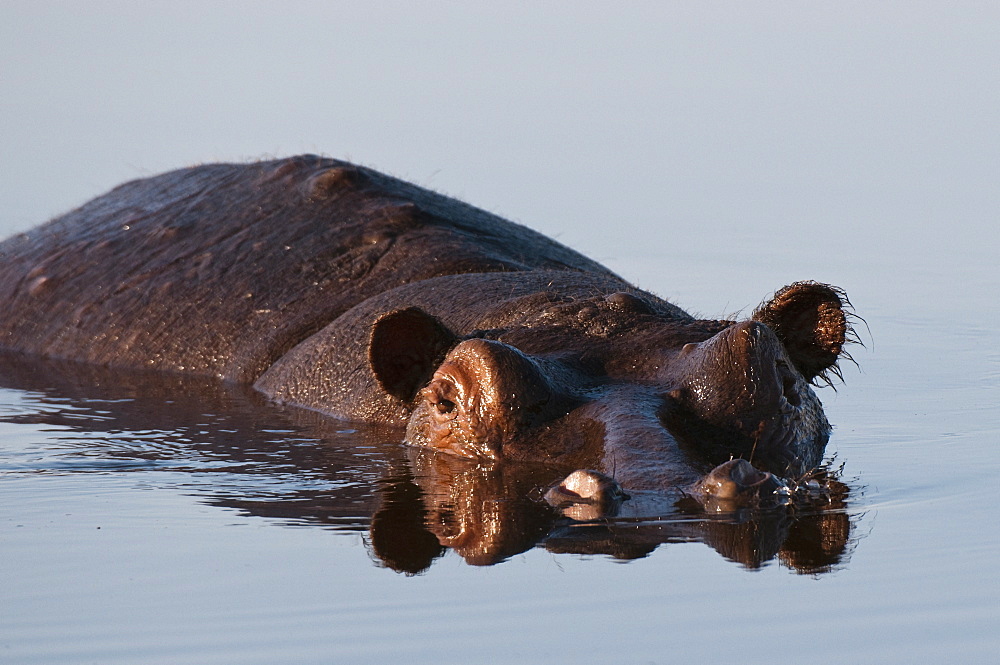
{"points": [[405, 348], [809, 319]]}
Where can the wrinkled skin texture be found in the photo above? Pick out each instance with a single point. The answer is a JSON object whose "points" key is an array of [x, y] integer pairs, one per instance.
{"points": [[336, 288]]}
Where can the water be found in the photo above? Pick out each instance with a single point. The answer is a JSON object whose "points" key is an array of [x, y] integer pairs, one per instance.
{"points": [[709, 155]]}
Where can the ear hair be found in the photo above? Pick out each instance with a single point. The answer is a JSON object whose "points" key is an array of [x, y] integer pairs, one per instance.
{"points": [[405, 348], [813, 322]]}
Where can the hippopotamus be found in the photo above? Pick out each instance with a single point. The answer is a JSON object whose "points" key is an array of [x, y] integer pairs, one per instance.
{"points": [[336, 288]]}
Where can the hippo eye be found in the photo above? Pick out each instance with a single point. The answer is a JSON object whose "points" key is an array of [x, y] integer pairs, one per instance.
{"points": [[439, 394]]}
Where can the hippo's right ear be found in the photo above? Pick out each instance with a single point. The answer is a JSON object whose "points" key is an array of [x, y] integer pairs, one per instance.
{"points": [[405, 348], [810, 320]]}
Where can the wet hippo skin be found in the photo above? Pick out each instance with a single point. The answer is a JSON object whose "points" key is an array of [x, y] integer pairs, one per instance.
{"points": [[340, 289]]}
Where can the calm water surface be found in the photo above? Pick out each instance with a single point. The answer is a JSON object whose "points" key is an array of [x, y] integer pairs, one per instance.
{"points": [[151, 519], [710, 152]]}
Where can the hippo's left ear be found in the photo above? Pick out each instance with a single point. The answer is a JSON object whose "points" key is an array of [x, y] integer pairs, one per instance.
{"points": [[405, 348], [809, 319]]}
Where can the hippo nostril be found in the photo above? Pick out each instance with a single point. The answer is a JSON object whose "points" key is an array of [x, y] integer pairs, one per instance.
{"points": [[744, 474], [587, 487], [737, 479]]}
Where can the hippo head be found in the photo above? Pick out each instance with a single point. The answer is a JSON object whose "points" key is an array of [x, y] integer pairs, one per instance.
{"points": [[611, 384]]}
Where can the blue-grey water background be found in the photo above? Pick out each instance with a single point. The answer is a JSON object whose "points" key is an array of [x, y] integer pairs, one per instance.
{"points": [[709, 152]]}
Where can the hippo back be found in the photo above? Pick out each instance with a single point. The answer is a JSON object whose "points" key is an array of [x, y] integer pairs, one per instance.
{"points": [[220, 269]]}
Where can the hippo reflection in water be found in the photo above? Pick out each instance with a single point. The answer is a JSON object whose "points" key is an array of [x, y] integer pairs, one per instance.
{"points": [[339, 289], [228, 447]]}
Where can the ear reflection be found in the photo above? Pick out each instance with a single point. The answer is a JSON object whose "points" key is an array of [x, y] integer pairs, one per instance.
{"points": [[399, 537]]}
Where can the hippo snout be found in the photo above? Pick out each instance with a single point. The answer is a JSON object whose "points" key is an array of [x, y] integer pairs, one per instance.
{"points": [[741, 395]]}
